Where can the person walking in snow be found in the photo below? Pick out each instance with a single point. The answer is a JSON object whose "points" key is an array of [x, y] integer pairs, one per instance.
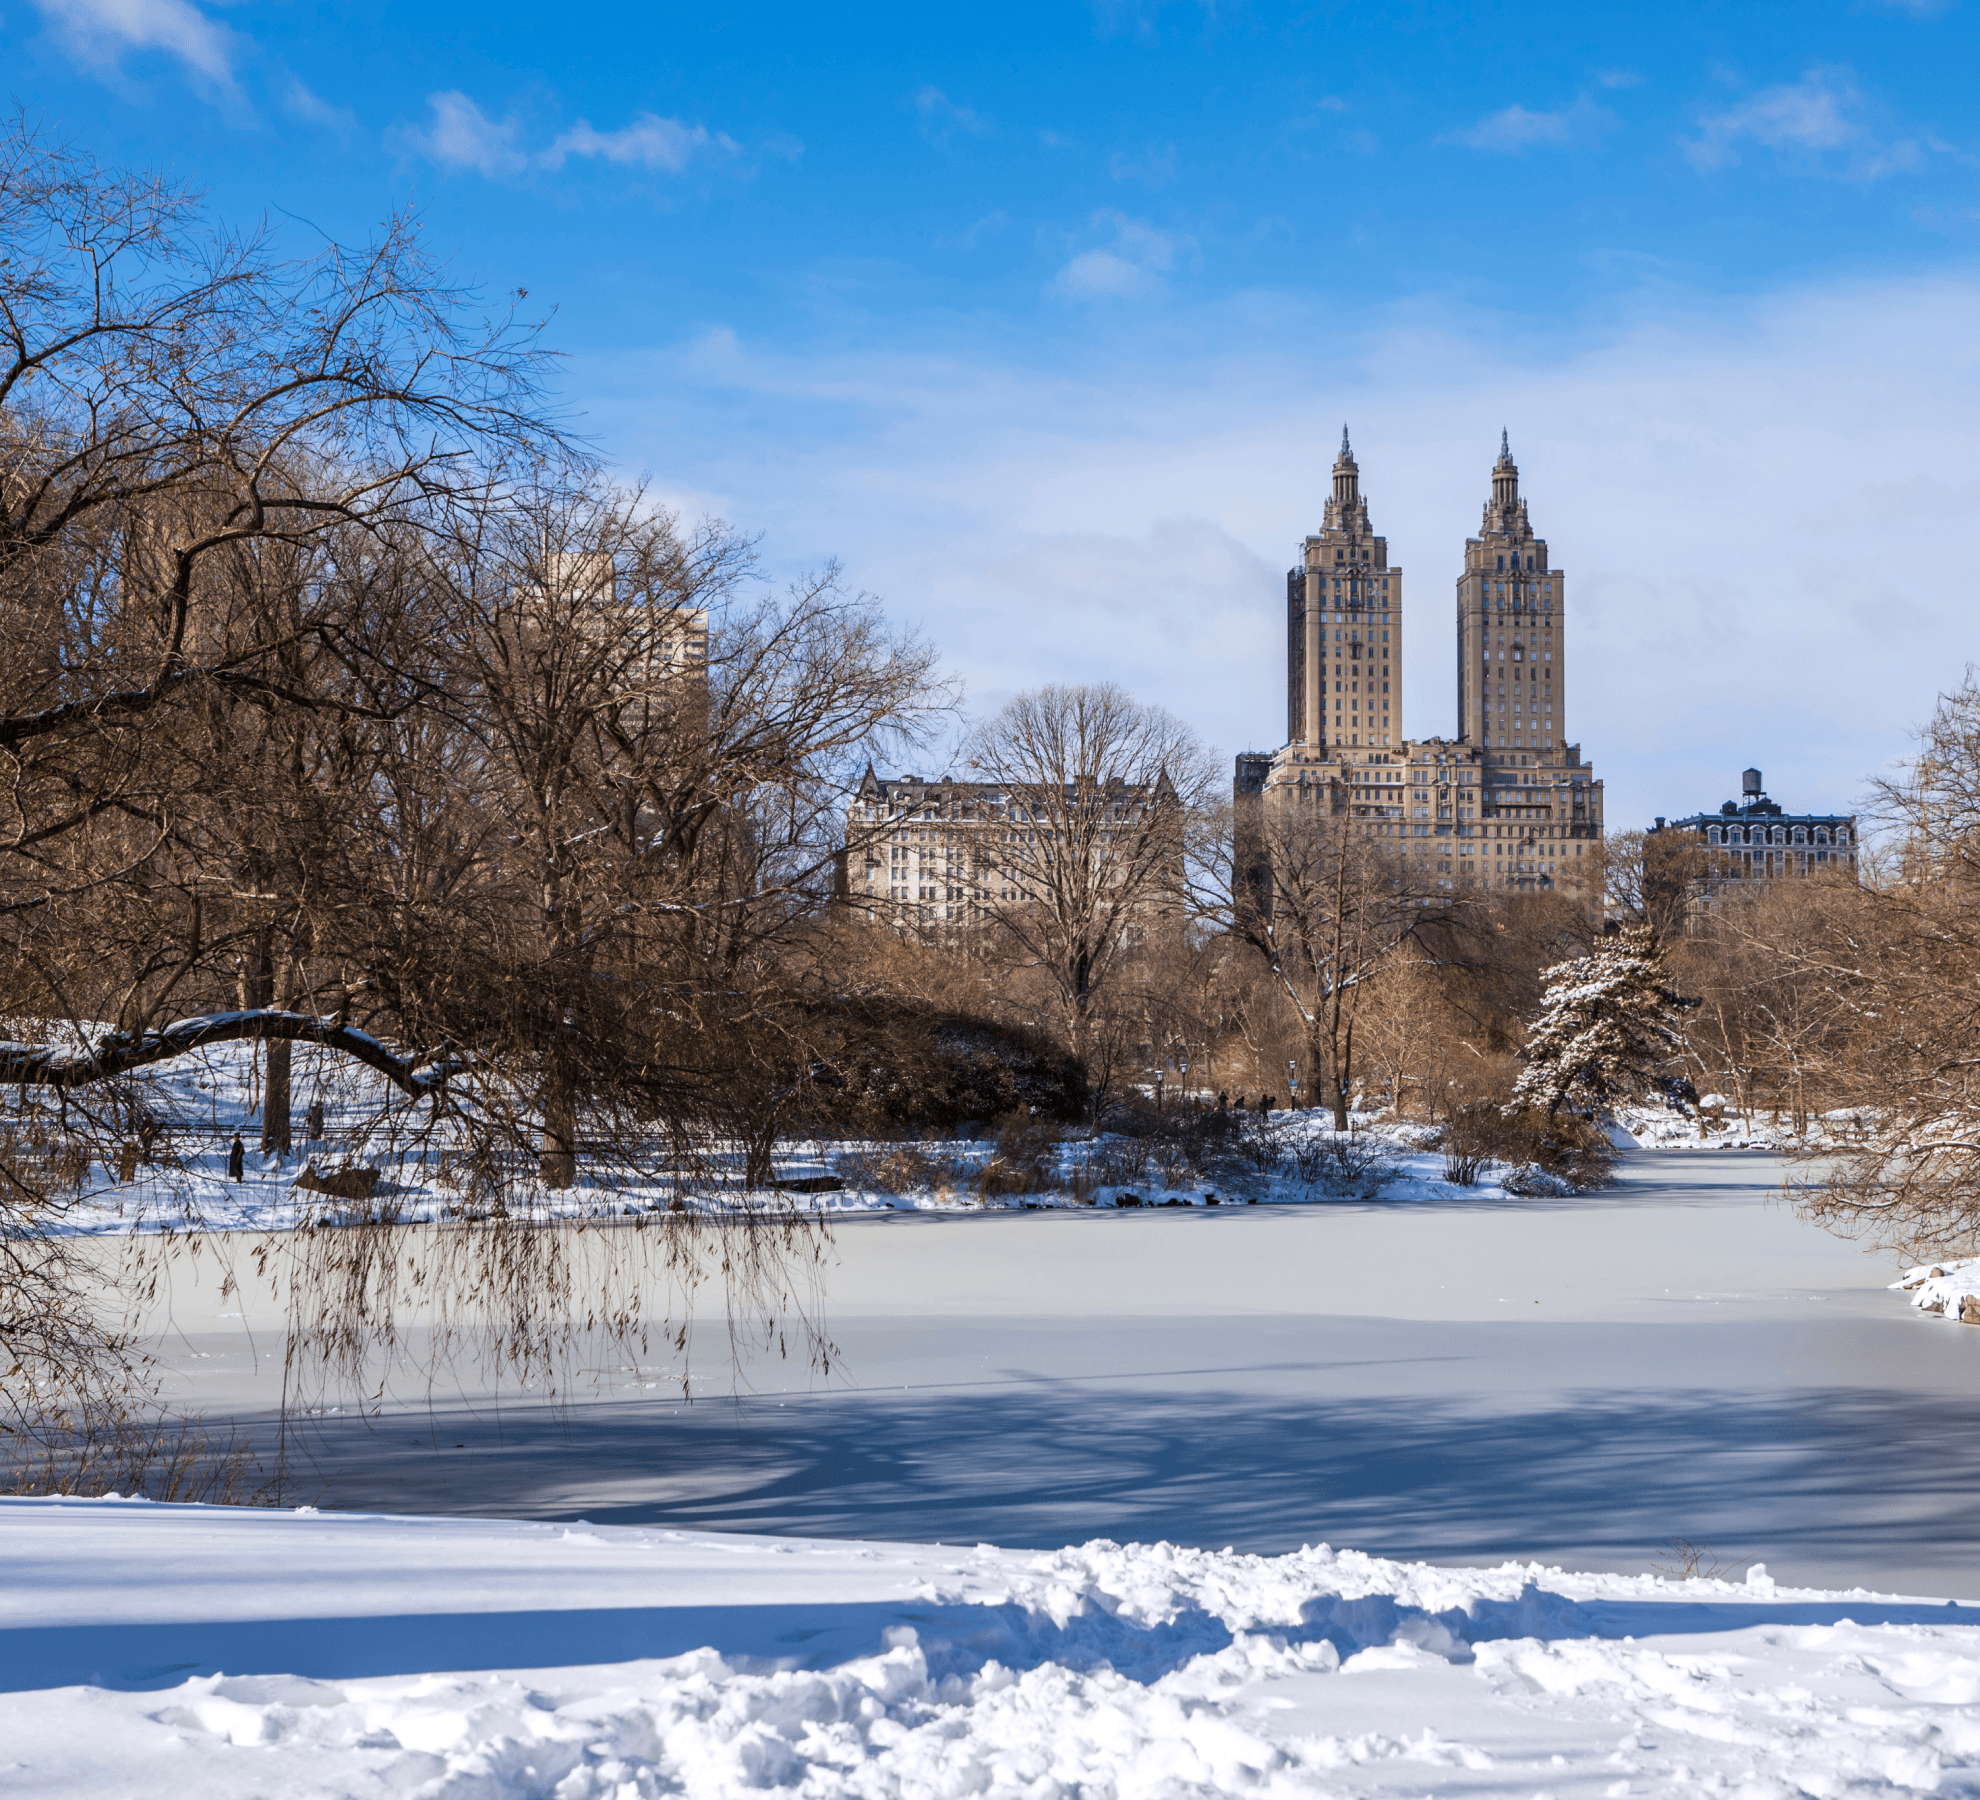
{"points": [[236, 1158]]}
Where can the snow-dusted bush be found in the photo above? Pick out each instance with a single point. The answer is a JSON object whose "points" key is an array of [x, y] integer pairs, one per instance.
{"points": [[1025, 1160], [1346, 1164], [1542, 1154]]}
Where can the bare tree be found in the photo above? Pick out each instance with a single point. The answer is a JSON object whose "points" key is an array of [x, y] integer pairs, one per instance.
{"points": [[1653, 878], [345, 707], [1327, 908], [1889, 980], [1098, 792]]}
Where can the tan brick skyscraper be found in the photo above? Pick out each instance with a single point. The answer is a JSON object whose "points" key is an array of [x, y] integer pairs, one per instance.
{"points": [[1507, 803], [1344, 628], [1512, 646]]}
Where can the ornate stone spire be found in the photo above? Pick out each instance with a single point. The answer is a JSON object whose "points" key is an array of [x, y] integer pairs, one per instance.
{"points": [[1505, 484], [1347, 482]]}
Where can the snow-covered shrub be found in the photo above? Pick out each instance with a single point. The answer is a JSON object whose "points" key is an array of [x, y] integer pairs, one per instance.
{"points": [[1469, 1140], [1258, 1144], [903, 1168], [1025, 1161], [1566, 1149], [1533, 1183], [1347, 1164], [1564, 1153]]}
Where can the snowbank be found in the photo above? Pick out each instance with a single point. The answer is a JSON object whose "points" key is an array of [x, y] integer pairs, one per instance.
{"points": [[1951, 1289], [231, 1653]]}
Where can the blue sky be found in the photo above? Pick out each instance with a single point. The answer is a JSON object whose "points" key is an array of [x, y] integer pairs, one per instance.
{"points": [[1045, 321]]}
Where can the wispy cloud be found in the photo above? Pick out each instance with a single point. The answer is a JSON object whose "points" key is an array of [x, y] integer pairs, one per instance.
{"points": [[315, 110], [1812, 114], [1132, 513], [462, 136], [943, 120], [1128, 266], [98, 33], [649, 142], [1515, 128]]}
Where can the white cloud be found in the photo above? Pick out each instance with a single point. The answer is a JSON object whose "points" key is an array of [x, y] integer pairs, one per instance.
{"points": [[1768, 514], [1809, 114], [98, 33], [943, 119], [648, 142], [1515, 128], [1130, 265], [465, 137]]}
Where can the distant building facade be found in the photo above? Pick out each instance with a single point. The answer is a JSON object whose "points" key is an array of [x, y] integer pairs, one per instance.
{"points": [[935, 851], [1754, 839], [1509, 802]]}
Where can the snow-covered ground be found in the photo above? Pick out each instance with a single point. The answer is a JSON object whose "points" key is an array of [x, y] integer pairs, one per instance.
{"points": [[204, 1099], [165, 1650]]}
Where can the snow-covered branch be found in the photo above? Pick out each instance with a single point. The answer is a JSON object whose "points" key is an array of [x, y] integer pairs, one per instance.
{"points": [[118, 1053]]}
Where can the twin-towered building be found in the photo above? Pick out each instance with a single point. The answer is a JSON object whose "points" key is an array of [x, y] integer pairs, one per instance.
{"points": [[1507, 803]]}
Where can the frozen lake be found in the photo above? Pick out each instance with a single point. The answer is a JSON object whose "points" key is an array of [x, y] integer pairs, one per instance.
{"points": [[1568, 1380]]}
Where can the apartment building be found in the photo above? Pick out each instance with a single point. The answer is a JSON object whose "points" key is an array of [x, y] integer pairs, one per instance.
{"points": [[1509, 802]]}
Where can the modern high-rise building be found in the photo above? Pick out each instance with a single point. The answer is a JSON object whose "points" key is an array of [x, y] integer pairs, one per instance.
{"points": [[1506, 803]]}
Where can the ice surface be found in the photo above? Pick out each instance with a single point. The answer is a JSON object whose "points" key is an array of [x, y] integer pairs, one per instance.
{"points": [[1569, 1380]]}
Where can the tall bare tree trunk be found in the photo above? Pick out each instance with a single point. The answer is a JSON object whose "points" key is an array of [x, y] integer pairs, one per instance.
{"points": [[275, 1102], [556, 1161]]}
